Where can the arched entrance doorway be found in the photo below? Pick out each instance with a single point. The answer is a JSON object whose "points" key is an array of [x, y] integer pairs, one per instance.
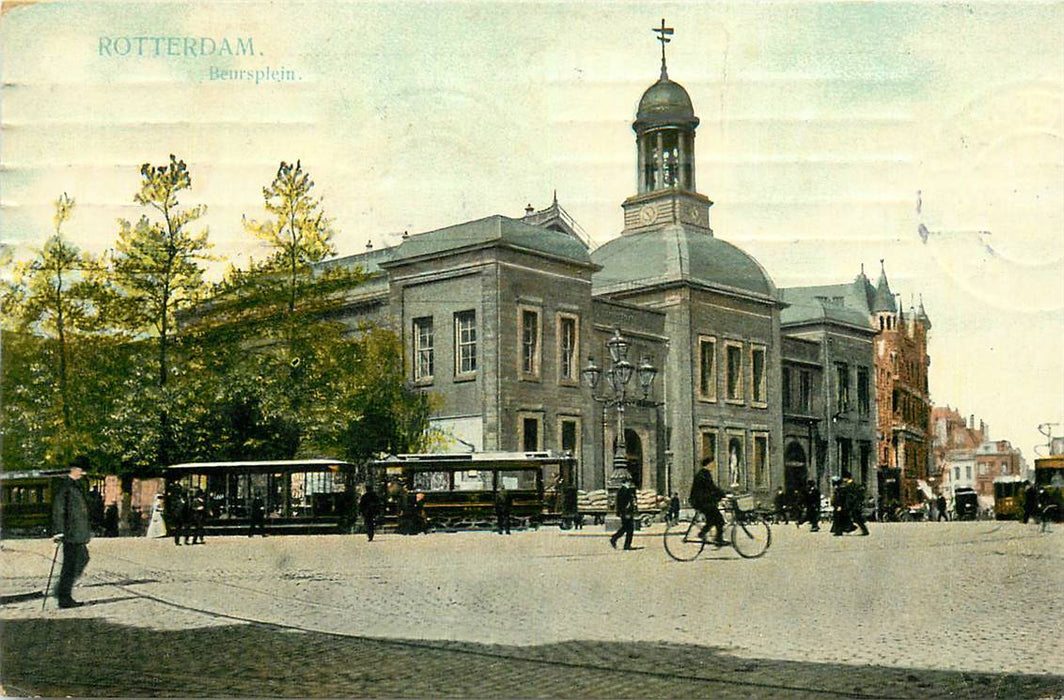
{"points": [[633, 449], [795, 466]]}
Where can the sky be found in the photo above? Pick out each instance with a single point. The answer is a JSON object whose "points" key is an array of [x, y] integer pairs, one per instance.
{"points": [[830, 132]]}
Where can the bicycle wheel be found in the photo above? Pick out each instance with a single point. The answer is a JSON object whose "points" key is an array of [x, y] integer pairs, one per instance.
{"points": [[751, 537], [682, 542]]}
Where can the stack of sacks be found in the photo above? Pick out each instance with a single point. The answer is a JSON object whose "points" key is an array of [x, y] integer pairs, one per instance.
{"points": [[647, 500], [592, 500]]}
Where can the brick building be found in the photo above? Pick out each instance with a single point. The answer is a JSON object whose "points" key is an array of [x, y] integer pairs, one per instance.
{"points": [[902, 393], [953, 447], [995, 458]]}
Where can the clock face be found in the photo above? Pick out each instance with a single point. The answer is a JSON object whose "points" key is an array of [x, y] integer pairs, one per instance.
{"points": [[648, 214], [694, 213]]}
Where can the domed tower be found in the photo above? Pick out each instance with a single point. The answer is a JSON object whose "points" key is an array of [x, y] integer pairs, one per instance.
{"points": [[664, 129]]}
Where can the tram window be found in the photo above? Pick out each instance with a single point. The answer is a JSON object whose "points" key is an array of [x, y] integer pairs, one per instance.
{"points": [[432, 481], [518, 479], [472, 480]]}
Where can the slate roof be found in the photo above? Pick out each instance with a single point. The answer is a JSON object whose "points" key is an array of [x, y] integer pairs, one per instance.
{"points": [[674, 254], [841, 303], [491, 231]]}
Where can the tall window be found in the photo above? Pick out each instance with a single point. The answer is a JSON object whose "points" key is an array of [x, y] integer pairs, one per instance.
{"points": [[465, 342], [707, 369], [529, 343], [567, 348], [709, 445], [568, 438], [843, 448], [757, 375], [864, 396], [842, 386], [760, 460], [424, 356], [805, 391], [735, 372], [786, 388], [530, 437]]}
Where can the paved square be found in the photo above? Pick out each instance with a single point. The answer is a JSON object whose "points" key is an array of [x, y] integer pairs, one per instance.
{"points": [[915, 610]]}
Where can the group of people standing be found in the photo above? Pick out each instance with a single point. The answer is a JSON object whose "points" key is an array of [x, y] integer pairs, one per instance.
{"points": [[186, 515]]}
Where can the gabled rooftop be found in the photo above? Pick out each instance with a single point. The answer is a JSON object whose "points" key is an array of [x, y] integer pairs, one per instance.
{"points": [[491, 231]]}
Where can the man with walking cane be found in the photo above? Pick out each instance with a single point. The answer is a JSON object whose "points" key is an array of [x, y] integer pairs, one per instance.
{"points": [[70, 527]]}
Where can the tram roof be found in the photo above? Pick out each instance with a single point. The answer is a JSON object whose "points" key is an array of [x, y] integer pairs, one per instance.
{"points": [[32, 474], [283, 464], [472, 458], [26, 474]]}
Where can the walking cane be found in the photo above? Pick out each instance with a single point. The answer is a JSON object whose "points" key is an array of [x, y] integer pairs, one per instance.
{"points": [[48, 586]]}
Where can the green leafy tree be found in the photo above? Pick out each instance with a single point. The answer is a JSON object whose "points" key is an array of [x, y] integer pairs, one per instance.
{"points": [[157, 270], [51, 312], [297, 234], [383, 413]]}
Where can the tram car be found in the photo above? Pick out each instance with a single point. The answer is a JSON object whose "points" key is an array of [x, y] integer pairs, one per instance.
{"points": [[297, 496], [1049, 480], [966, 503], [1008, 497], [458, 491], [26, 500]]}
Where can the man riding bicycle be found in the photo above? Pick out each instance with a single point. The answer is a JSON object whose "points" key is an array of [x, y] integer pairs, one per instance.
{"points": [[705, 498]]}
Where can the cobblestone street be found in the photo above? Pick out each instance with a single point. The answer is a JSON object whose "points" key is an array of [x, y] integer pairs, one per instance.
{"points": [[915, 610]]}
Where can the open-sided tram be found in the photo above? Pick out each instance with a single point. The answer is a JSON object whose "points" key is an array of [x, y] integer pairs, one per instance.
{"points": [[310, 495], [459, 490]]}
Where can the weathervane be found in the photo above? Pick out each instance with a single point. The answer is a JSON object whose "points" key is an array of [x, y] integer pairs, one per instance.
{"points": [[663, 33]]}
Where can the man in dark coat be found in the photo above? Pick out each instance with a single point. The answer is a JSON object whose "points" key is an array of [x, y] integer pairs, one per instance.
{"points": [[626, 510], [197, 517], [1030, 502], [811, 496], [258, 517], [705, 498], [176, 512], [71, 526], [854, 494], [840, 508], [940, 505], [781, 507], [368, 506], [503, 505]]}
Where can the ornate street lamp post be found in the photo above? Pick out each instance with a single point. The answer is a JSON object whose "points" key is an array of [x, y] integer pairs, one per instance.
{"points": [[618, 375]]}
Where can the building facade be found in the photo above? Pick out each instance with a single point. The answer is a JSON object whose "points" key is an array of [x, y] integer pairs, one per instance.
{"points": [[842, 428], [995, 458], [954, 442], [498, 316]]}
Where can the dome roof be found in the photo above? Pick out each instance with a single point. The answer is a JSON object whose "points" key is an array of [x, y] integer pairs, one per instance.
{"points": [[665, 102], [676, 254]]}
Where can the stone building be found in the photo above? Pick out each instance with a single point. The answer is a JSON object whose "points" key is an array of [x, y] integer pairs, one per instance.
{"points": [[837, 419], [893, 385], [499, 315], [721, 310]]}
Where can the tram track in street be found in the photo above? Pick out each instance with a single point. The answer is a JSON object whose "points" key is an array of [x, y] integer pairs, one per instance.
{"points": [[123, 583]]}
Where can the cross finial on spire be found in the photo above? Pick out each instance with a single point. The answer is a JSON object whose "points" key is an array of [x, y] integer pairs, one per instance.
{"points": [[663, 33]]}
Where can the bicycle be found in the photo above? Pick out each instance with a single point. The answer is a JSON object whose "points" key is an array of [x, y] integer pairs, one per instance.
{"points": [[747, 531]]}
